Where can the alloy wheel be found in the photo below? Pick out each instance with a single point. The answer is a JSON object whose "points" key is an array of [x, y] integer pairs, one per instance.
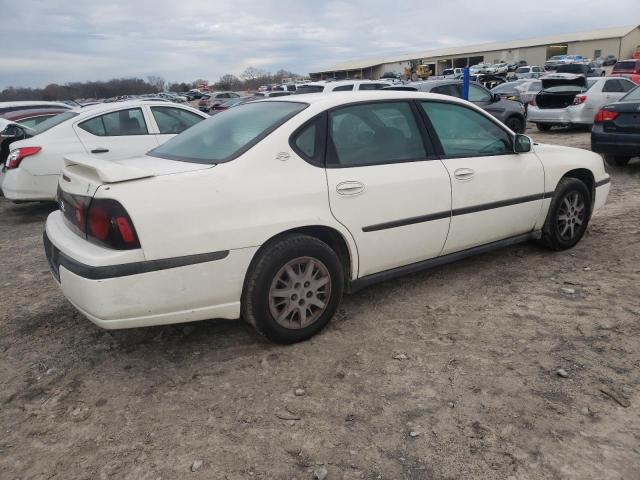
{"points": [[571, 215], [300, 292]]}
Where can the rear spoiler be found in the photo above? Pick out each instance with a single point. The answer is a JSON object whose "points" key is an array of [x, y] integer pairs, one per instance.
{"points": [[107, 171]]}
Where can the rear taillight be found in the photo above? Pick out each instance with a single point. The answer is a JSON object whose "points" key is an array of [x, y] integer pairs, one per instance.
{"points": [[532, 102], [605, 116], [99, 220], [579, 99], [16, 156]]}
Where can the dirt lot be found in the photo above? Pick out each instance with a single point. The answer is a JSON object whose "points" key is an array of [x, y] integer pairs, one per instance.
{"points": [[473, 391]]}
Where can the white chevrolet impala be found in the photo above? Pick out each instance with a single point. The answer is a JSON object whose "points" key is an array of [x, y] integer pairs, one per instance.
{"points": [[271, 210]]}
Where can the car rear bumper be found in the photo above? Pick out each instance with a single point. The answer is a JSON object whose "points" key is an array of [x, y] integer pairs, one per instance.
{"points": [[19, 185], [572, 115], [612, 143], [145, 293]]}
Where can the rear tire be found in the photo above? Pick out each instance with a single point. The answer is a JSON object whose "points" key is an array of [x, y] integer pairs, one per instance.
{"points": [[543, 127], [515, 124], [616, 160], [568, 215], [293, 288]]}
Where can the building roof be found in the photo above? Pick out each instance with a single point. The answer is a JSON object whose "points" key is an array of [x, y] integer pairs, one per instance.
{"points": [[600, 33]]}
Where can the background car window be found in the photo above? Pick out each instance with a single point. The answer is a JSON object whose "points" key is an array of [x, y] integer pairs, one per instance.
{"points": [[343, 88], [371, 86], [174, 120], [450, 89], [463, 132], [627, 85], [478, 94], [116, 124], [375, 133], [33, 121], [632, 96]]}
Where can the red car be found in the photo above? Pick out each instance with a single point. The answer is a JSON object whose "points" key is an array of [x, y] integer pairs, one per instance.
{"points": [[627, 68]]}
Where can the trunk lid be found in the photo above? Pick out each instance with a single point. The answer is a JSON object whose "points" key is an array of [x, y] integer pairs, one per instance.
{"points": [[82, 175], [628, 119], [560, 89]]}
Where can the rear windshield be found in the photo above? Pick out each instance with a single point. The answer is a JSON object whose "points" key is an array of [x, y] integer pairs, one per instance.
{"points": [[224, 137], [53, 121], [574, 68], [625, 66], [632, 96], [310, 89]]}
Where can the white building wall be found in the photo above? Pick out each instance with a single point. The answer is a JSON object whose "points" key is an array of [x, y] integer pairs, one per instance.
{"points": [[588, 48], [629, 44]]}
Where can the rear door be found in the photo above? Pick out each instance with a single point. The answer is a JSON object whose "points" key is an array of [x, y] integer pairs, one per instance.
{"points": [[496, 193], [117, 135], [385, 185]]}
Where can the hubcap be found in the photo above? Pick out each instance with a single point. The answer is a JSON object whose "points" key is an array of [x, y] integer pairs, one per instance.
{"points": [[571, 215], [300, 292]]}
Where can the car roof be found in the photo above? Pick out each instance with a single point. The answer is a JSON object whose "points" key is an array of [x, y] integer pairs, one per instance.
{"points": [[27, 103], [99, 108], [341, 98]]}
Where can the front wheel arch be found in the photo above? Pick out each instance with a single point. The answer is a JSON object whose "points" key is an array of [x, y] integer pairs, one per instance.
{"points": [[585, 176]]}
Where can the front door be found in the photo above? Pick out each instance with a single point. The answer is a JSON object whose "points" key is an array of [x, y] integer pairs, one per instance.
{"points": [[385, 186], [496, 193]]}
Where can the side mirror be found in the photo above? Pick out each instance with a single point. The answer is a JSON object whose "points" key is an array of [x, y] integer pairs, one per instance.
{"points": [[522, 144], [496, 97]]}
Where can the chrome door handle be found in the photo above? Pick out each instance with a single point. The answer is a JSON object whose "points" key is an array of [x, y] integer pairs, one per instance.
{"points": [[350, 188], [464, 174]]}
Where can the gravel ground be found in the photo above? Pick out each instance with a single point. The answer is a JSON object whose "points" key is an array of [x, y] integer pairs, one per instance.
{"points": [[447, 374]]}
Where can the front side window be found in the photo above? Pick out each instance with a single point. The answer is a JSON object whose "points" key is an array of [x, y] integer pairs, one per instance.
{"points": [[222, 138], [173, 120], [374, 133], [116, 124], [343, 88], [450, 89], [478, 94], [463, 132], [310, 89]]}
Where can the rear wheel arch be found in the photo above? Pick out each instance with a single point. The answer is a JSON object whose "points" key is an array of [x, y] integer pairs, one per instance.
{"points": [[329, 235]]}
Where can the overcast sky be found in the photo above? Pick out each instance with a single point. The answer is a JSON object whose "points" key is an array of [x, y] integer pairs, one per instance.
{"points": [[54, 41]]}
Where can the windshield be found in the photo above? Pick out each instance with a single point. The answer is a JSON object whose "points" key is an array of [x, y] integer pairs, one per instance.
{"points": [[632, 96], [53, 121], [224, 137], [310, 89]]}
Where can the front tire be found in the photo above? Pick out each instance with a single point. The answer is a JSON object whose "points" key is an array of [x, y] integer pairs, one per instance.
{"points": [[543, 127], [616, 160], [568, 215], [293, 288], [515, 124]]}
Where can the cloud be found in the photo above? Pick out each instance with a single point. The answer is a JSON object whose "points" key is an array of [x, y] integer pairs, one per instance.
{"points": [[45, 41]]}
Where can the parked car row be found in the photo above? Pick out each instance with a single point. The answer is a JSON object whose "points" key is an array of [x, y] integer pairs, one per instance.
{"points": [[110, 131]]}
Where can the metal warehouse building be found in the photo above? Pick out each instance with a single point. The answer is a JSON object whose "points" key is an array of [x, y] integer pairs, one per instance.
{"points": [[619, 41]]}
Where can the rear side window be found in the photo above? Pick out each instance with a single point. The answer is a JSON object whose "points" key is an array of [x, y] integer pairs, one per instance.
{"points": [[53, 121], [373, 134], [33, 121], [116, 124], [632, 96], [310, 89], [172, 120], [463, 132], [627, 65], [309, 140]]}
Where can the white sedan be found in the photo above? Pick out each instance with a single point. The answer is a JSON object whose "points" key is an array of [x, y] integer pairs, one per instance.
{"points": [[273, 209], [110, 131]]}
